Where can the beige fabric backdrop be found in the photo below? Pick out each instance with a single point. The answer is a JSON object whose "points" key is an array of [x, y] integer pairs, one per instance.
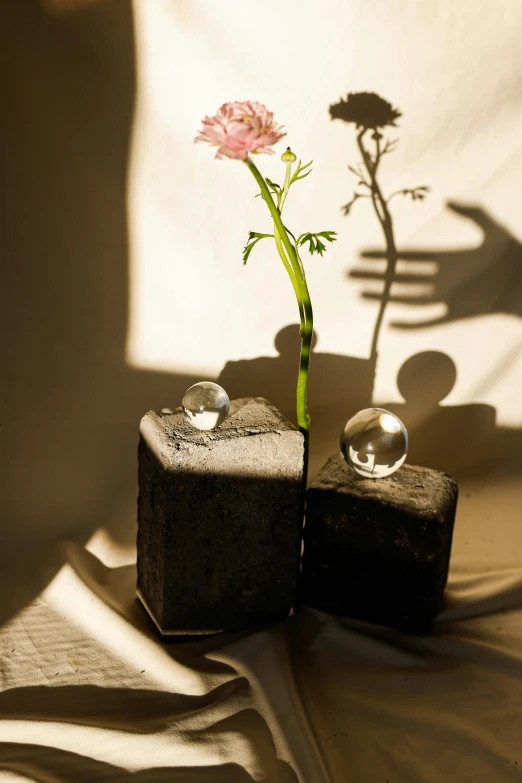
{"points": [[122, 284]]}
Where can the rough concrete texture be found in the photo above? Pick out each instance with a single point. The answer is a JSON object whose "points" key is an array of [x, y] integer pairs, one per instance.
{"points": [[220, 517], [378, 549]]}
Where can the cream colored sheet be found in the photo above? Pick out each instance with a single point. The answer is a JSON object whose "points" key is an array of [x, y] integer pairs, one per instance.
{"points": [[122, 284], [90, 693]]}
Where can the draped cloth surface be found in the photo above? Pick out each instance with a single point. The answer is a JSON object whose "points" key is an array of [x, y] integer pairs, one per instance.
{"points": [[122, 285], [90, 692]]}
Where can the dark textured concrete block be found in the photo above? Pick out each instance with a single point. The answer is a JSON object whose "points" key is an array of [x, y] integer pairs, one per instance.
{"points": [[220, 518], [378, 549]]}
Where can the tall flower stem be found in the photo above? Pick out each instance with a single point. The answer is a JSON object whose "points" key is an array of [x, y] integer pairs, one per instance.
{"points": [[380, 206], [289, 256]]}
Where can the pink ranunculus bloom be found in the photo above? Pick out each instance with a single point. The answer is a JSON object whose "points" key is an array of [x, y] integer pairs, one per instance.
{"points": [[240, 128]]}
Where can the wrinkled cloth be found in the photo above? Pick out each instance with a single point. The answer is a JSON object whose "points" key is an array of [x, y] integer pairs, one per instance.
{"points": [[90, 692], [123, 284]]}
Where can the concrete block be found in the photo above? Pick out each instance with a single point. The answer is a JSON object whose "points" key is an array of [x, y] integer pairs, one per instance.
{"points": [[220, 518], [378, 549]]}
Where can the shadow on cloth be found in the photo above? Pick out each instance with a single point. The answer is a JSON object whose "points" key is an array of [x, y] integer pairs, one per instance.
{"points": [[121, 709], [462, 440], [42, 764], [71, 406], [338, 387], [457, 439]]}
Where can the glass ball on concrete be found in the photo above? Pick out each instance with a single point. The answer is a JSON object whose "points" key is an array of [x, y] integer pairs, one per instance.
{"points": [[374, 442], [205, 405]]}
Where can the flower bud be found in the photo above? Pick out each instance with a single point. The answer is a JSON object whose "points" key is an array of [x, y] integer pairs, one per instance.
{"points": [[288, 156]]}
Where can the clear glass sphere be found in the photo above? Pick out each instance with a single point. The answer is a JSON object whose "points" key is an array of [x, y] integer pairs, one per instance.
{"points": [[374, 442], [205, 405]]}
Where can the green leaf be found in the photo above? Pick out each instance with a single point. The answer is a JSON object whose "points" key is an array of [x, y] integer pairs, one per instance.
{"points": [[252, 234], [298, 172], [253, 239], [275, 189], [247, 250], [319, 247], [306, 165], [314, 243], [308, 238], [272, 185]]}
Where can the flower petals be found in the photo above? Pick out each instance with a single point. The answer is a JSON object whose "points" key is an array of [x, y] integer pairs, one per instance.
{"points": [[240, 128]]}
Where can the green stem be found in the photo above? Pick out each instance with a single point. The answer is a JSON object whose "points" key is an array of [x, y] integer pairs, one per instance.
{"points": [[286, 185], [292, 263], [276, 216], [280, 249]]}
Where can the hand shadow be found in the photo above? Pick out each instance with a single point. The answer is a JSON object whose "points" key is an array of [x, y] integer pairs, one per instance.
{"points": [[471, 282], [339, 386]]}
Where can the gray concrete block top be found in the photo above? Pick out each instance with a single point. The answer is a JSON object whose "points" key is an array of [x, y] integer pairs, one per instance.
{"points": [[412, 489], [178, 445], [247, 413]]}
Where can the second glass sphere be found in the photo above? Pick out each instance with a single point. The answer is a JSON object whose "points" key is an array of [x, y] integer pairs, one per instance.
{"points": [[205, 405], [374, 442]]}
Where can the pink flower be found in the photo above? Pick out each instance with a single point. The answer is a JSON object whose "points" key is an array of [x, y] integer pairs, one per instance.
{"points": [[239, 128]]}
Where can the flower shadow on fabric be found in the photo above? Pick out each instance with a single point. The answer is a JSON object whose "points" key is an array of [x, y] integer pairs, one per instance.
{"points": [[473, 282], [371, 114], [365, 110]]}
